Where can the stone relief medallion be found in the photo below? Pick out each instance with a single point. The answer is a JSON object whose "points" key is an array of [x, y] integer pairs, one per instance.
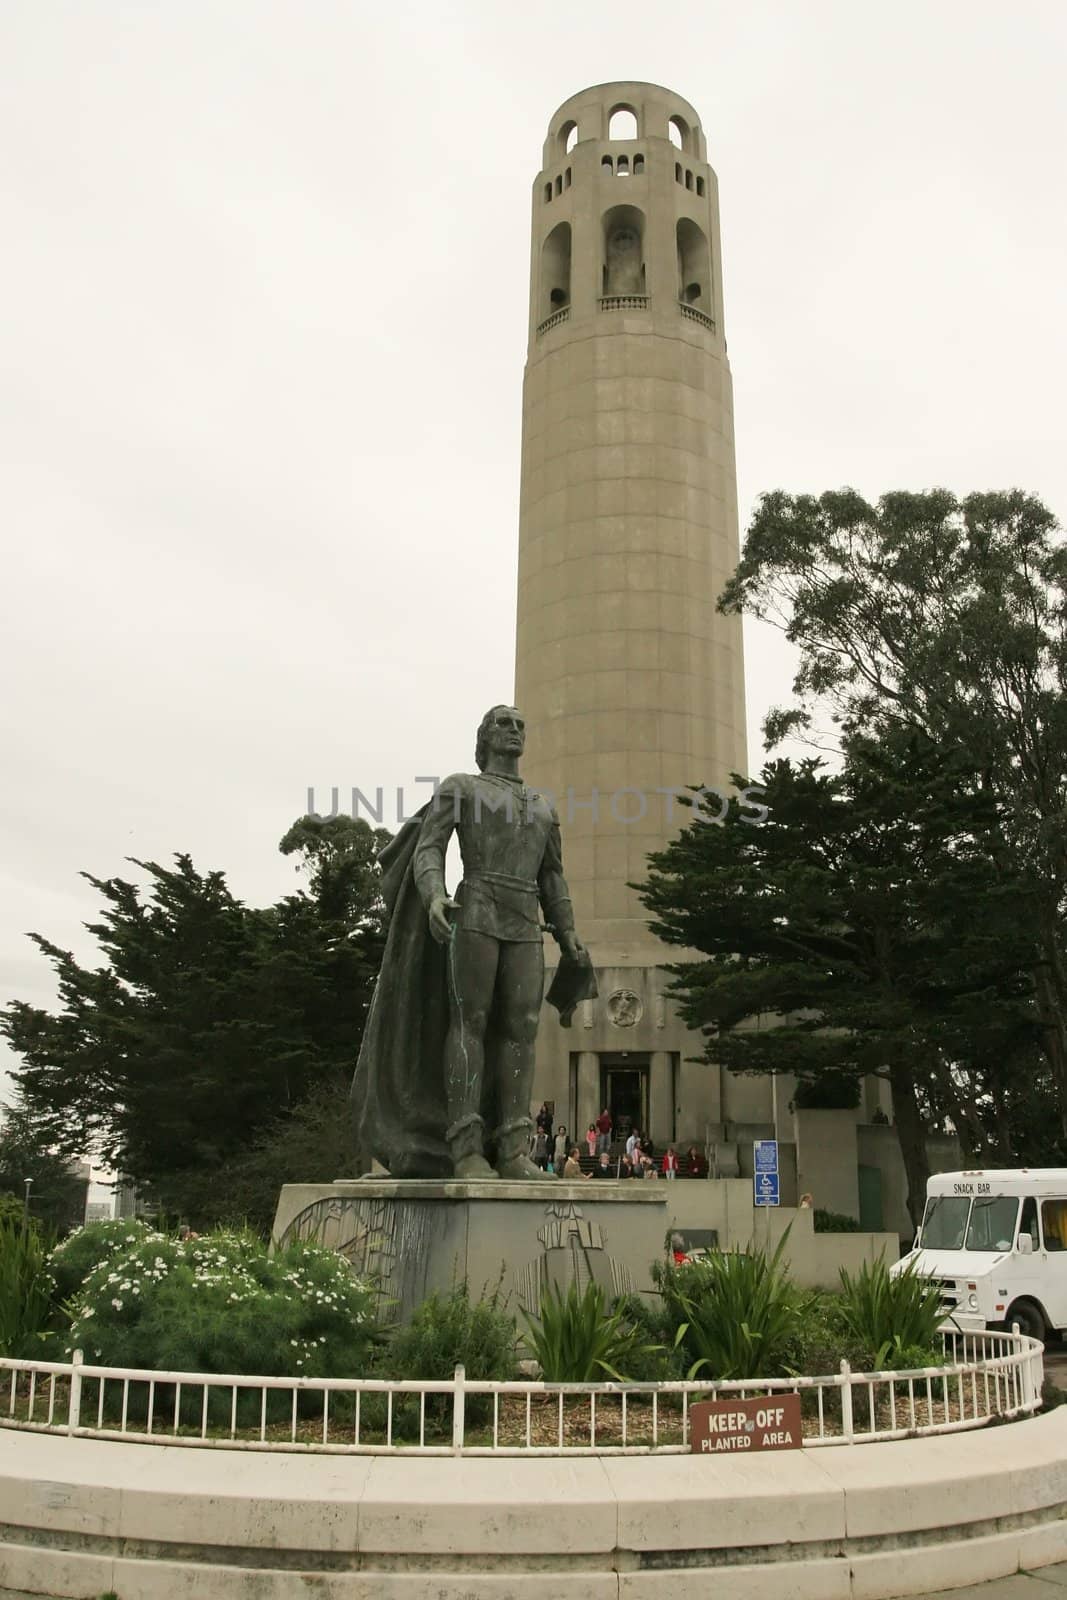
{"points": [[573, 1251], [624, 1008]]}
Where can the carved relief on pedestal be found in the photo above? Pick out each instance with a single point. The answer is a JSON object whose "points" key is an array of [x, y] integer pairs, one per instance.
{"points": [[574, 1251]]}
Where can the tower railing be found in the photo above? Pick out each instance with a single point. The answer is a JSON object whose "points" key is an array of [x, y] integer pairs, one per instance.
{"points": [[695, 315], [624, 302], [553, 321]]}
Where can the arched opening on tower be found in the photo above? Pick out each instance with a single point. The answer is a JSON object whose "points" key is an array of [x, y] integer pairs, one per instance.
{"points": [[556, 270], [678, 133], [622, 124], [623, 270], [568, 137], [694, 267]]}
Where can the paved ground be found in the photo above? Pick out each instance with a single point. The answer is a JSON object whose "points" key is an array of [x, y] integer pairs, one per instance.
{"points": [[1056, 1364], [1045, 1584]]}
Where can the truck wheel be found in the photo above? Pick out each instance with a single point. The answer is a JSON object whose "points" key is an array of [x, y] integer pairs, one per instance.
{"points": [[1030, 1319]]}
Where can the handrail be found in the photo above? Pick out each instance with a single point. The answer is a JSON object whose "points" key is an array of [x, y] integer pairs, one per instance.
{"points": [[554, 320], [696, 315], [989, 1375], [624, 302]]}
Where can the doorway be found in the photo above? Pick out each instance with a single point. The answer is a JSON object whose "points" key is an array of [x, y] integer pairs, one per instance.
{"points": [[624, 1090]]}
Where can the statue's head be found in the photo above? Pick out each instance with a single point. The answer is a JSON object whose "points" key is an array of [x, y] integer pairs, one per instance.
{"points": [[502, 730]]}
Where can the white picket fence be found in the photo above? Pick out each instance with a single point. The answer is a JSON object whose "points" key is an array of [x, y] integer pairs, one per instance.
{"points": [[985, 1376]]}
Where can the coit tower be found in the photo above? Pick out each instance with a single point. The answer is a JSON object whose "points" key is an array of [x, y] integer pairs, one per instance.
{"points": [[631, 684]]}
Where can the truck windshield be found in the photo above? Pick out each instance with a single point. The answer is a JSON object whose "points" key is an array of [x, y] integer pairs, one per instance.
{"points": [[992, 1225], [944, 1222]]}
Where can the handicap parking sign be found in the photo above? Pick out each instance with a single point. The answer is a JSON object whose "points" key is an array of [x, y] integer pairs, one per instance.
{"points": [[765, 1170]]}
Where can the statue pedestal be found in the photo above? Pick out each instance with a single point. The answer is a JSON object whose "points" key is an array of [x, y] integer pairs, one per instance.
{"points": [[419, 1236]]}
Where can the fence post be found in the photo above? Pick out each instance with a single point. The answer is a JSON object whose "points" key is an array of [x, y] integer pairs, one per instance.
{"points": [[846, 1403], [459, 1406], [74, 1411]]}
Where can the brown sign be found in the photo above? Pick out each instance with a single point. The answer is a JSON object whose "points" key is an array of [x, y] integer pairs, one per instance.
{"points": [[770, 1423]]}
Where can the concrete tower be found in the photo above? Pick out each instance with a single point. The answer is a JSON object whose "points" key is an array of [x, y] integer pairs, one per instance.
{"points": [[630, 682]]}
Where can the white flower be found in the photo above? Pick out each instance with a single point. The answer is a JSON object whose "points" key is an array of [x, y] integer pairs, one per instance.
{"points": [[117, 1304]]}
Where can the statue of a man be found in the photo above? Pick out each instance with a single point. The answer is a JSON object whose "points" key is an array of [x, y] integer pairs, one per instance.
{"points": [[445, 1073]]}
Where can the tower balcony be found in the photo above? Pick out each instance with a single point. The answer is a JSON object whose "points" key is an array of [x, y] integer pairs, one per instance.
{"points": [[553, 321], [624, 302]]}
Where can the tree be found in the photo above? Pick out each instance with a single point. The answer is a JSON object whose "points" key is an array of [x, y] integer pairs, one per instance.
{"points": [[57, 1193], [865, 913], [210, 1019], [312, 1143], [947, 619]]}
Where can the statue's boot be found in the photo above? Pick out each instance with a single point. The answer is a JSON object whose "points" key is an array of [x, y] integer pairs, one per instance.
{"points": [[512, 1151], [466, 1145]]}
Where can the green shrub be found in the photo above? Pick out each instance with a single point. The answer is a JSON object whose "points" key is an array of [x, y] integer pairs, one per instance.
{"points": [[26, 1288], [450, 1330], [658, 1357], [736, 1313], [820, 1340], [83, 1250], [578, 1340], [223, 1304], [835, 1222], [896, 1319]]}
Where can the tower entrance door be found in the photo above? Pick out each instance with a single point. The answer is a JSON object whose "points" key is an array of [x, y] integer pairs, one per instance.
{"points": [[624, 1090]]}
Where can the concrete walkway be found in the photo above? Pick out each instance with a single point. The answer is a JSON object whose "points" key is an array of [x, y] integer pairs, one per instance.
{"points": [[1043, 1585]]}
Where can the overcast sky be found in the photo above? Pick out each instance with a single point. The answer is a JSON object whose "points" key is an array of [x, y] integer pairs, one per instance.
{"points": [[263, 289]]}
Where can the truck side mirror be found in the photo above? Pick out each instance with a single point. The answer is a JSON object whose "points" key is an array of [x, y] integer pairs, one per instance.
{"points": [[1026, 1245]]}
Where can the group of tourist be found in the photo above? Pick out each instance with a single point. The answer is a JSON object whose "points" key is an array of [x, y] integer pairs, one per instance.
{"points": [[554, 1151]]}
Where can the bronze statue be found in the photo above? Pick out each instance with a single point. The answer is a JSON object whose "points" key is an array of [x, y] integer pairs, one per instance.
{"points": [[443, 1083]]}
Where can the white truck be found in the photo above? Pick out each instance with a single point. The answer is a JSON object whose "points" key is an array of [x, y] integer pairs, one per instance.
{"points": [[995, 1242]]}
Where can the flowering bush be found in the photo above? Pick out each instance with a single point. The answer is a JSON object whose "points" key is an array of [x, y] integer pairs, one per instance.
{"points": [[223, 1304], [72, 1261]]}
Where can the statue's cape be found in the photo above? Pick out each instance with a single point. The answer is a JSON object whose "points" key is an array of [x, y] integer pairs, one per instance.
{"points": [[398, 1104]]}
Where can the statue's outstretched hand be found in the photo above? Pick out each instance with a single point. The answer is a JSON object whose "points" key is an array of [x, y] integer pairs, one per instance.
{"points": [[440, 922], [571, 945]]}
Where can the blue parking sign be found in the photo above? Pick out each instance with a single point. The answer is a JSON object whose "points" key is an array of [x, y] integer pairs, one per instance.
{"points": [[765, 1173], [765, 1155]]}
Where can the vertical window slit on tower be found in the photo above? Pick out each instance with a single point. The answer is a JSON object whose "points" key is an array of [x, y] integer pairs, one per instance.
{"points": [[700, 187], [639, 165], [605, 164], [688, 179], [677, 172]]}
